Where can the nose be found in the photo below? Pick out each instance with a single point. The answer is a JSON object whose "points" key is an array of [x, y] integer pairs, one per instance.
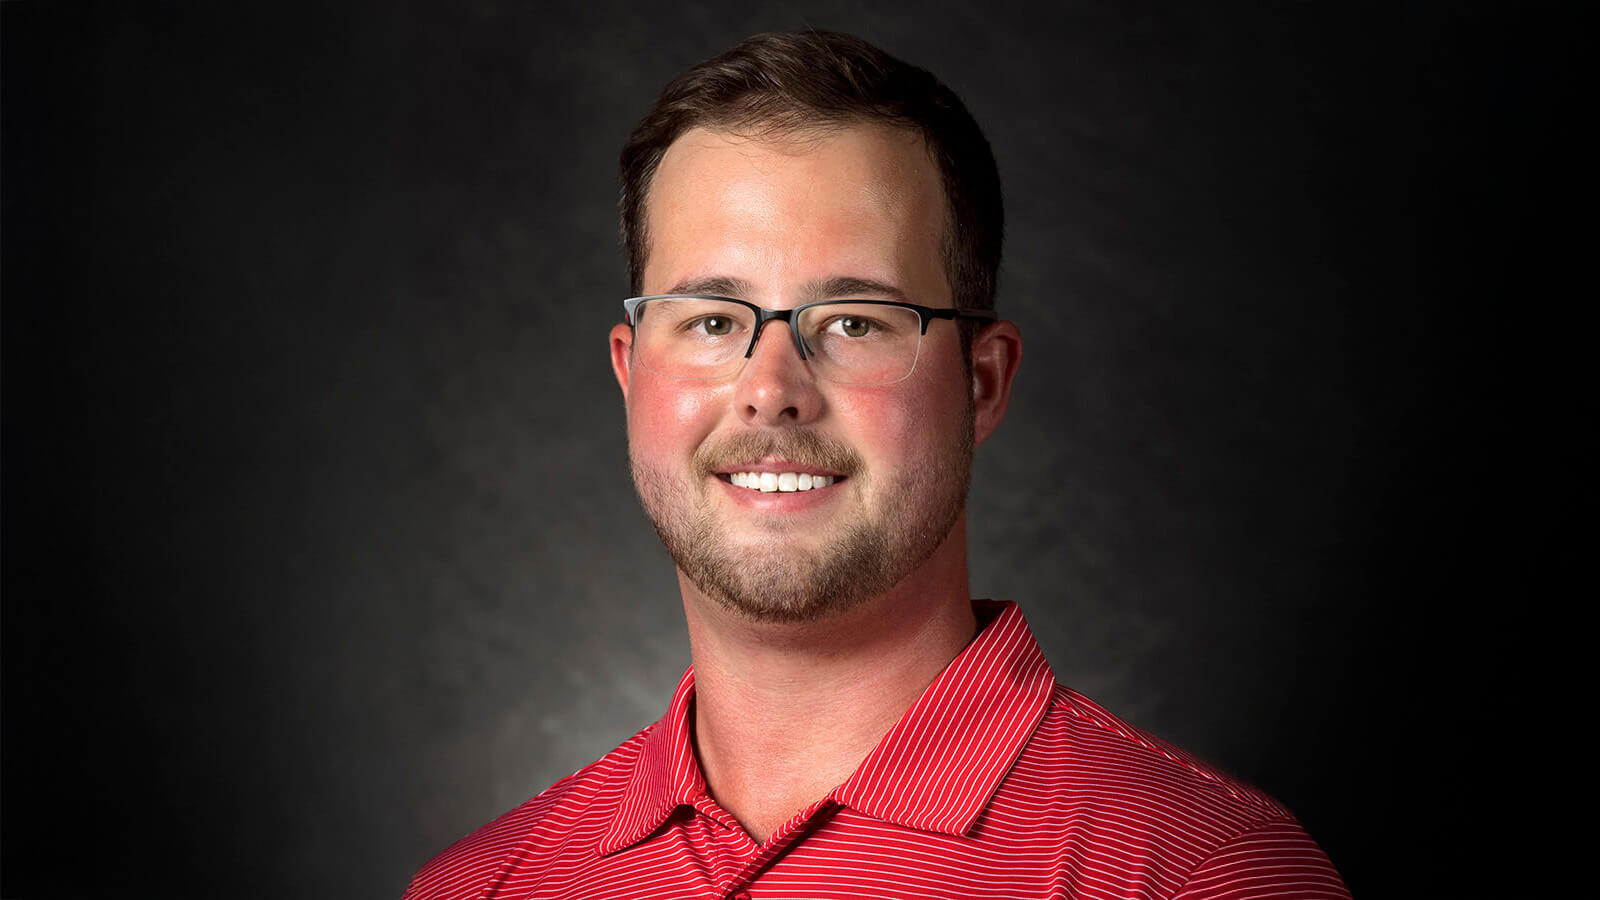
{"points": [[776, 386]]}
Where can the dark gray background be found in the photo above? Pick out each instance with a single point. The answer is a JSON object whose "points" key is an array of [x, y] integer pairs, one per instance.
{"points": [[319, 545]]}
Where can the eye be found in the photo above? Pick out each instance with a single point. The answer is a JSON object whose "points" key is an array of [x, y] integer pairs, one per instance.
{"points": [[712, 325], [855, 326]]}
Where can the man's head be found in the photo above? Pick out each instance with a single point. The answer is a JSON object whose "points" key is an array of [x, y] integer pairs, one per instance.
{"points": [[781, 209]]}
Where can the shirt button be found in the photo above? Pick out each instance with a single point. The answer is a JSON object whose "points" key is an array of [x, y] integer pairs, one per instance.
{"points": [[742, 895]]}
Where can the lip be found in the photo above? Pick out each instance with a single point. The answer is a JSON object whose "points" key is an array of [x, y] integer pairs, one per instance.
{"points": [[779, 501], [777, 467]]}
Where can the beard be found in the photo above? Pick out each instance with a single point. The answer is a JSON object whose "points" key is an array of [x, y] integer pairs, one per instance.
{"points": [[906, 516]]}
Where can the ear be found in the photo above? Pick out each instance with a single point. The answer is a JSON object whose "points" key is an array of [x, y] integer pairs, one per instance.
{"points": [[996, 353], [622, 355]]}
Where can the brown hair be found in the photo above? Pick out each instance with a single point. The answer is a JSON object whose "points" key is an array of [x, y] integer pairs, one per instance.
{"points": [[776, 84]]}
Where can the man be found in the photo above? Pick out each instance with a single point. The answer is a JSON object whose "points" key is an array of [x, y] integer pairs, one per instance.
{"points": [[812, 356]]}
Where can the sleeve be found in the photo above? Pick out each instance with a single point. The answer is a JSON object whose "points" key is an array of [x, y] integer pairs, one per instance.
{"points": [[1275, 860]]}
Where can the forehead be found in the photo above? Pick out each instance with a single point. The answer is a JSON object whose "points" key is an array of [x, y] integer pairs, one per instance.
{"points": [[861, 201]]}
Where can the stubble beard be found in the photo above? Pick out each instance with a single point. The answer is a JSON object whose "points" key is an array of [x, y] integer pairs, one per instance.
{"points": [[912, 512]]}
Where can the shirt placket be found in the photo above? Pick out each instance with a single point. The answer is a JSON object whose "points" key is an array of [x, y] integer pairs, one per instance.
{"points": [[744, 884]]}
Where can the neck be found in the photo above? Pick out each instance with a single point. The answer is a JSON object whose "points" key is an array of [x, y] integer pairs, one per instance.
{"points": [[785, 712]]}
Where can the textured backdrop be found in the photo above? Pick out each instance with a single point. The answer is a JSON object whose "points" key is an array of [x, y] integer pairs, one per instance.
{"points": [[319, 545]]}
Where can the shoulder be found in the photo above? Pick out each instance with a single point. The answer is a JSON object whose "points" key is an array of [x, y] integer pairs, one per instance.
{"points": [[1118, 799], [566, 820], [1097, 747]]}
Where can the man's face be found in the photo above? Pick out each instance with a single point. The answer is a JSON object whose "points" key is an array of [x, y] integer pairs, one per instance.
{"points": [[773, 223]]}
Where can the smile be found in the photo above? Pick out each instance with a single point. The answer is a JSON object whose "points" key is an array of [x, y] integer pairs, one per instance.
{"points": [[768, 482]]}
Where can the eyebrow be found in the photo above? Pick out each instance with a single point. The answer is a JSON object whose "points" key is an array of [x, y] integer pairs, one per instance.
{"points": [[850, 288], [718, 285], [836, 288]]}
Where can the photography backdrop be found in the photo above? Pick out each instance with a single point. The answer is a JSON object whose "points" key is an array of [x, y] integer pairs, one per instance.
{"points": [[319, 544]]}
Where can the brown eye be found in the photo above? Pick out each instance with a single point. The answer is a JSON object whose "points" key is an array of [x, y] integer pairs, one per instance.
{"points": [[717, 325], [854, 326]]}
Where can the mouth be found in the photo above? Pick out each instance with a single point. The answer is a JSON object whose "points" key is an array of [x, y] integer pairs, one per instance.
{"points": [[777, 475], [768, 482], [789, 471]]}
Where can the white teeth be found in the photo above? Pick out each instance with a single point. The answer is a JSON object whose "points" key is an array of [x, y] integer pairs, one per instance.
{"points": [[769, 482]]}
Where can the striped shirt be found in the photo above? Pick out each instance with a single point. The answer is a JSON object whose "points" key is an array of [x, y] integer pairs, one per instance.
{"points": [[996, 783]]}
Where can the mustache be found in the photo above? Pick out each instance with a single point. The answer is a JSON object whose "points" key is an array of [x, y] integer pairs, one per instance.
{"points": [[806, 448]]}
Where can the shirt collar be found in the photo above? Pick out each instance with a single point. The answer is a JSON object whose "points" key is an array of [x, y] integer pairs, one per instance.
{"points": [[936, 768], [665, 775]]}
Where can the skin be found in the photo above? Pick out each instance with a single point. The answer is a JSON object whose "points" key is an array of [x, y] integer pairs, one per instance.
{"points": [[787, 706]]}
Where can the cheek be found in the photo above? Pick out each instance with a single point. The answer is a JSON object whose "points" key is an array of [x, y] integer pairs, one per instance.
{"points": [[668, 417], [882, 421], [921, 419], [903, 422]]}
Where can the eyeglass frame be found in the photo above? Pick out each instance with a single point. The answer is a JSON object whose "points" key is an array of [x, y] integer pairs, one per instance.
{"points": [[925, 316]]}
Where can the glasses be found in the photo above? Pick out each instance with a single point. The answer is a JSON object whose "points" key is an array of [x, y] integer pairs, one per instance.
{"points": [[845, 341]]}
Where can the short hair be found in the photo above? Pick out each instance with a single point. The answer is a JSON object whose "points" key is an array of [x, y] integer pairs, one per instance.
{"points": [[771, 85]]}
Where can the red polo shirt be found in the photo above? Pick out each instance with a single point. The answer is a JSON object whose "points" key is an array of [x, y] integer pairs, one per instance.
{"points": [[996, 783]]}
